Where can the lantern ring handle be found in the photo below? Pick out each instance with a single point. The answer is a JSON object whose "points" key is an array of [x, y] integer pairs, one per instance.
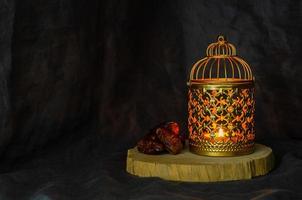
{"points": [[220, 39]]}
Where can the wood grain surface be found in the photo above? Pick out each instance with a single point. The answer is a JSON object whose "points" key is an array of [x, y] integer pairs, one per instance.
{"points": [[190, 167]]}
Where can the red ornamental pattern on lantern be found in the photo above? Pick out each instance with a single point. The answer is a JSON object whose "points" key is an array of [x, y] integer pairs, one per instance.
{"points": [[232, 109]]}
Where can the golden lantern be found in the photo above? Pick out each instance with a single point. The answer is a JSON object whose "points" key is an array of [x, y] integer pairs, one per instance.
{"points": [[221, 103]]}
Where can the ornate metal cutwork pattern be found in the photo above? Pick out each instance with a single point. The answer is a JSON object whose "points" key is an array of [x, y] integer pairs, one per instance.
{"points": [[229, 112]]}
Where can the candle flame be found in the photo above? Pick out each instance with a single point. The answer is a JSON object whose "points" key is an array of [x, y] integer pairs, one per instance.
{"points": [[220, 132]]}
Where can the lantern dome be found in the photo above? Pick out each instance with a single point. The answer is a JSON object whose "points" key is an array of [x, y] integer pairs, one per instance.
{"points": [[221, 64]]}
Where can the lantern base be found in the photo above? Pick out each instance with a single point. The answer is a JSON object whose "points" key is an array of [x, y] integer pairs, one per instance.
{"points": [[190, 167], [222, 149]]}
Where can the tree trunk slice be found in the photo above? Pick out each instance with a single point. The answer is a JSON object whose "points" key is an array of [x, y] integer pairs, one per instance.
{"points": [[190, 167]]}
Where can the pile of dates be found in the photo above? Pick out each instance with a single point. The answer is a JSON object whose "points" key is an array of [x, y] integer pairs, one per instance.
{"points": [[163, 137]]}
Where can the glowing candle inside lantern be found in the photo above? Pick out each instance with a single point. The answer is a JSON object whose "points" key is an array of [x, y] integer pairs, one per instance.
{"points": [[220, 132]]}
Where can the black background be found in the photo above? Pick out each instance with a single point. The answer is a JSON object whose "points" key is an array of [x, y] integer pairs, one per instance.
{"points": [[82, 81]]}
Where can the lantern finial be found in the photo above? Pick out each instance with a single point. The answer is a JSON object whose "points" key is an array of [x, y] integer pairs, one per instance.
{"points": [[221, 48], [221, 39]]}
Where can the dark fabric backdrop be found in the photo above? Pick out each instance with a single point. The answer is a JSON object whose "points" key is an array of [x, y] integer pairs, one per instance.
{"points": [[82, 81]]}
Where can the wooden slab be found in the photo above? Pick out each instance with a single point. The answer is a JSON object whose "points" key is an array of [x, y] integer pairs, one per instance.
{"points": [[190, 167]]}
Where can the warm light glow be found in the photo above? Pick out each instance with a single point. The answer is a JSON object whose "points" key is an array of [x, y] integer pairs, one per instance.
{"points": [[220, 132]]}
